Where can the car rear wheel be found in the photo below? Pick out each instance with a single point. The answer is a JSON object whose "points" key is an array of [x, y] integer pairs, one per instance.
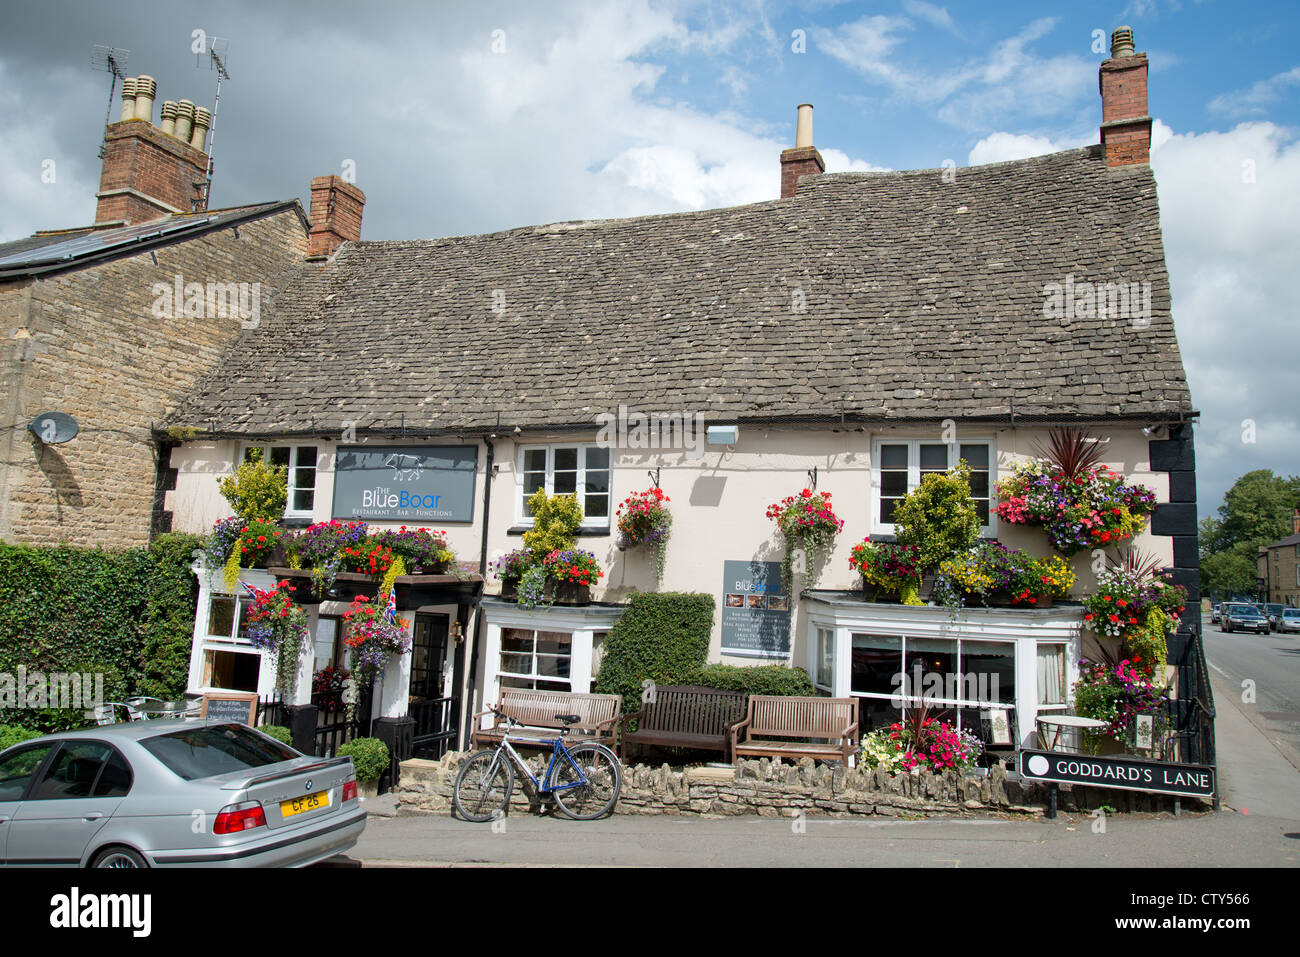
{"points": [[119, 857]]}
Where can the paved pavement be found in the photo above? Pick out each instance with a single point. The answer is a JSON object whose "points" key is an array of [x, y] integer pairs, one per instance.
{"points": [[1259, 825]]}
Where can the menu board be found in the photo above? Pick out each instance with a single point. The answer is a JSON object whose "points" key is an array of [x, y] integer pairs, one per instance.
{"points": [[233, 706], [755, 610]]}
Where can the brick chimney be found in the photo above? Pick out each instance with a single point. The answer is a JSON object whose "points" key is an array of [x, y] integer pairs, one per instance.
{"points": [[335, 216], [147, 173], [1125, 123], [803, 160]]}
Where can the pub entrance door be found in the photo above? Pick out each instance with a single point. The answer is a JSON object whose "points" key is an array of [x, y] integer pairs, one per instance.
{"points": [[433, 710]]}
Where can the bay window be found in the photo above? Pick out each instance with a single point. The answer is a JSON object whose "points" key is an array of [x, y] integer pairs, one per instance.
{"points": [[537, 660]]}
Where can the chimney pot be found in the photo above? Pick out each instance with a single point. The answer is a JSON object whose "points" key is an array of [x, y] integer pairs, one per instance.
{"points": [[168, 116], [128, 99], [202, 120], [803, 135], [184, 119], [1121, 42], [145, 88]]}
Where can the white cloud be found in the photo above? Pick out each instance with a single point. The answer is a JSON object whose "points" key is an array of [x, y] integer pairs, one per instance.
{"points": [[1002, 147], [1231, 247], [932, 14], [1255, 100]]}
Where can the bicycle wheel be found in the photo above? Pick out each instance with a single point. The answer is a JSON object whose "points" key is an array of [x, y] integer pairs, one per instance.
{"points": [[604, 778], [483, 786]]}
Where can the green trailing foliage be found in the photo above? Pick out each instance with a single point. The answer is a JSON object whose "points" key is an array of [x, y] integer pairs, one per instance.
{"points": [[127, 614], [369, 756]]}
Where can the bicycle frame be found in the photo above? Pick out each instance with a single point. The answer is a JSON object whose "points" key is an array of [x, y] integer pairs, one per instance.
{"points": [[543, 786]]}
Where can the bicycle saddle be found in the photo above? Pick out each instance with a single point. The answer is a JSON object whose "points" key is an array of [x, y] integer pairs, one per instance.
{"points": [[568, 718]]}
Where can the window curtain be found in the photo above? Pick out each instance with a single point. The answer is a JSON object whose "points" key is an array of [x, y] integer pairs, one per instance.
{"points": [[1051, 674]]}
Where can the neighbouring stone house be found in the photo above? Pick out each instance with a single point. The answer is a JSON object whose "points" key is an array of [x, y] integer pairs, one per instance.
{"points": [[114, 322], [859, 331], [1279, 568]]}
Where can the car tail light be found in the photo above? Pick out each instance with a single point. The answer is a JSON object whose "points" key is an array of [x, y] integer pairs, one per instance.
{"points": [[240, 817], [350, 789]]}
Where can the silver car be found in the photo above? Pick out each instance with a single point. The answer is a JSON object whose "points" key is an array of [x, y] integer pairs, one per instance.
{"points": [[173, 793], [1289, 620]]}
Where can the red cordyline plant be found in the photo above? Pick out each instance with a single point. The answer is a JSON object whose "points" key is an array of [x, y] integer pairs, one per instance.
{"points": [[809, 526]]}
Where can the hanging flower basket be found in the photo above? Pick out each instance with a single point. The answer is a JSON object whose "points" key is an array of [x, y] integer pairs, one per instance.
{"points": [[644, 520], [809, 525]]}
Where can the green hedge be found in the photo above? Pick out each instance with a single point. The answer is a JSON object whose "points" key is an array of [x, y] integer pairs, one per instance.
{"points": [[279, 732], [126, 613], [11, 734], [663, 636], [757, 679]]}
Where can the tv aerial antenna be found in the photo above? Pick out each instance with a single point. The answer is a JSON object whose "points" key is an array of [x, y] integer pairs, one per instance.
{"points": [[215, 51], [110, 60]]}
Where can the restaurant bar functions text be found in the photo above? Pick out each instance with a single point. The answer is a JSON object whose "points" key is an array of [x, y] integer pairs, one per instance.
{"points": [[1124, 773]]}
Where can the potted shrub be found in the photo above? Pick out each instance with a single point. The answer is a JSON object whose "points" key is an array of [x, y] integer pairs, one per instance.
{"points": [[645, 521], [570, 574], [510, 568], [370, 759], [808, 526], [890, 572], [279, 732], [939, 519]]}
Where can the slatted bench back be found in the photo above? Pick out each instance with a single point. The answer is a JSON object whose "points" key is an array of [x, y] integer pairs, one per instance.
{"points": [[537, 709], [788, 717], [688, 709]]}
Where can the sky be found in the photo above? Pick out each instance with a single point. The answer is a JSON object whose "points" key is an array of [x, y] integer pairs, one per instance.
{"points": [[469, 118]]}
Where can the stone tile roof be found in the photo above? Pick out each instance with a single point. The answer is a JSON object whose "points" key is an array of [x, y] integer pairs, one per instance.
{"points": [[924, 300]]}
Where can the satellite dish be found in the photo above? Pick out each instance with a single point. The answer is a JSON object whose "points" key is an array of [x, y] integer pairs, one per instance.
{"points": [[54, 428]]}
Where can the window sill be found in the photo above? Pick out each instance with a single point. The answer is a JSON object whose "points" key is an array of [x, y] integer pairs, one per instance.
{"points": [[580, 533], [296, 521]]}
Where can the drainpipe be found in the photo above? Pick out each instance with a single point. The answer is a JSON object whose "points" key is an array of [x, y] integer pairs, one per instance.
{"points": [[467, 710]]}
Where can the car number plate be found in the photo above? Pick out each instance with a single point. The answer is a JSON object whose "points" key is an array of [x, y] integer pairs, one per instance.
{"points": [[303, 804]]}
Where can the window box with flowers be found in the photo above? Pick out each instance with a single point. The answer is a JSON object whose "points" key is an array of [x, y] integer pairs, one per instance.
{"points": [[237, 542], [1079, 503], [570, 573], [890, 572], [992, 575]]}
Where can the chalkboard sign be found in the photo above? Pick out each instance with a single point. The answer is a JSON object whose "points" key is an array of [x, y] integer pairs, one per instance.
{"points": [[230, 706]]}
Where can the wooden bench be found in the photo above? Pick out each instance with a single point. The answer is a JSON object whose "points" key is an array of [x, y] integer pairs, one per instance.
{"points": [[834, 720], [685, 716], [536, 711]]}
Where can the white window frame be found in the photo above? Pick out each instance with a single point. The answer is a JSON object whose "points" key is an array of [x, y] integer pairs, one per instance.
{"points": [[289, 510], [241, 610], [914, 474], [599, 521], [1064, 649], [534, 676], [824, 645]]}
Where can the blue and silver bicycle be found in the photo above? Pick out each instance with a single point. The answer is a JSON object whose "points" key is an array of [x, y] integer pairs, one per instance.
{"points": [[584, 779]]}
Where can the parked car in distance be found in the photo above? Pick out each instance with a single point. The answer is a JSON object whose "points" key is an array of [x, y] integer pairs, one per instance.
{"points": [[1290, 620], [173, 794], [1273, 613], [1214, 613], [1239, 616]]}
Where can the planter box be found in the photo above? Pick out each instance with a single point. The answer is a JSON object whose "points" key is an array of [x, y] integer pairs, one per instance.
{"points": [[567, 593], [510, 589]]}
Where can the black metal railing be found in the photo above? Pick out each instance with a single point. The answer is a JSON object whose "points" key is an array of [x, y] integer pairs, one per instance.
{"points": [[435, 726]]}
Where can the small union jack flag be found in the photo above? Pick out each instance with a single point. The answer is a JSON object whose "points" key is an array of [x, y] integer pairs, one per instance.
{"points": [[390, 606], [254, 593]]}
